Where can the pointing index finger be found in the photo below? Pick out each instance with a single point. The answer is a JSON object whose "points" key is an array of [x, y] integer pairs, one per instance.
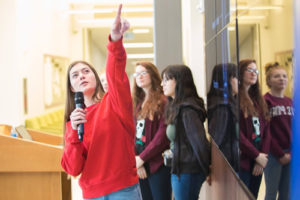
{"points": [[119, 11]]}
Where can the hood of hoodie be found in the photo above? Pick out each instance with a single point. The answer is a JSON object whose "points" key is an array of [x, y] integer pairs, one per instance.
{"points": [[195, 105]]}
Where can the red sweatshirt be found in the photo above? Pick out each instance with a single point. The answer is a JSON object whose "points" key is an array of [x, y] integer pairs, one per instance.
{"points": [[281, 110], [105, 159]]}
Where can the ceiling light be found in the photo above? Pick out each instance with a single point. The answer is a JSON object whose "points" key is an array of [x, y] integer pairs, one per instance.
{"points": [[231, 28], [146, 55], [246, 17], [110, 10], [257, 8], [106, 22], [93, 11], [138, 45], [146, 30]]}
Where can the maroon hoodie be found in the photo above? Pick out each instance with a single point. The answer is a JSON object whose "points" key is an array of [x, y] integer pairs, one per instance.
{"points": [[281, 110]]}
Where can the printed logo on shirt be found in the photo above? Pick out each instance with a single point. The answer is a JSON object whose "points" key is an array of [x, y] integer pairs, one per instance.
{"points": [[140, 136], [281, 110]]}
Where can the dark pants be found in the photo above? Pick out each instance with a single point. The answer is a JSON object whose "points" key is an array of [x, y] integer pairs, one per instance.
{"points": [[252, 182], [157, 186]]}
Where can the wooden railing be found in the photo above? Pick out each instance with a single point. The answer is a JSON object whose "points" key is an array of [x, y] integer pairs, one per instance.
{"points": [[225, 183], [31, 169]]}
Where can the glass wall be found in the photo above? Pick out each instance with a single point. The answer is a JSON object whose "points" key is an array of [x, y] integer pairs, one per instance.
{"points": [[221, 75], [259, 32]]}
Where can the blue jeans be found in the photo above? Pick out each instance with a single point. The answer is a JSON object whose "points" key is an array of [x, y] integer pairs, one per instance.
{"points": [[131, 192], [158, 185], [187, 186], [277, 178], [251, 181]]}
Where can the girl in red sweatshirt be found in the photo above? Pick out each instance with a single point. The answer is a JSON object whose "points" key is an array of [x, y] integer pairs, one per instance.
{"points": [[105, 158], [277, 172]]}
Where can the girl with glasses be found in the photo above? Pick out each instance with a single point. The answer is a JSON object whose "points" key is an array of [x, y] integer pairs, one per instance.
{"points": [[254, 127], [151, 141]]}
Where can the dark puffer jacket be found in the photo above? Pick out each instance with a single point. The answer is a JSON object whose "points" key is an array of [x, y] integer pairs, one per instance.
{"points": [[191, 147], [223, 128]]}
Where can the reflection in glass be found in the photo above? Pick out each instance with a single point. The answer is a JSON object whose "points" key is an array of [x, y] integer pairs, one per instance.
{"points": [[281, 111], [254, 127], [223, 112]]}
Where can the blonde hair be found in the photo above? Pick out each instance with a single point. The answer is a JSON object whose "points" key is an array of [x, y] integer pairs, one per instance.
{"points": [[269, 68]]}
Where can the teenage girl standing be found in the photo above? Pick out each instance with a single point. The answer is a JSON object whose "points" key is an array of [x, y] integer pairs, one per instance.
{"points": [[277, 172], [254, 127]]}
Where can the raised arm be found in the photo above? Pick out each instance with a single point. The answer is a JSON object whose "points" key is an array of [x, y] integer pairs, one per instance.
{"points": [[118, 83], [119, 27]]}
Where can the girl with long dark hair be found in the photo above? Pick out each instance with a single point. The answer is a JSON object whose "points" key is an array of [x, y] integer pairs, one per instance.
{"points": [[222, 111], [185, 115]]}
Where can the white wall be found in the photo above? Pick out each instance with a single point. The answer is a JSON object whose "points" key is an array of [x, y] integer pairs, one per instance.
{"points": [[98, 59], [246, 47], [193, 43], [276, 34], [31, 29], [10, 83]]}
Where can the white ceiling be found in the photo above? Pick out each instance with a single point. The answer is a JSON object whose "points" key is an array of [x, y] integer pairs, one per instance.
{"points": [[100, 26]]}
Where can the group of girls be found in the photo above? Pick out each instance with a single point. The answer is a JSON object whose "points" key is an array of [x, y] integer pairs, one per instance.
{"points": [[120, 156], [265, 130], [264, 124]]}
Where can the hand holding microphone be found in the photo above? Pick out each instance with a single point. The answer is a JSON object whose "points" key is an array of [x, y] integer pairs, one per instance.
{"points": [[78, 115]]}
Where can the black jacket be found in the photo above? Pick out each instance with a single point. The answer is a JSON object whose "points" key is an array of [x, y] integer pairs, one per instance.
{"points": [[191, 147], [223, 128]]}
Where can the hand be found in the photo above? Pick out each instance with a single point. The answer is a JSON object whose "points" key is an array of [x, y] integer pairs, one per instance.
{"points": [[142, 172], [119, 27], [257, 170], [77, 117], [285, 159], [139, 162], [208, 178], [262, 159]]}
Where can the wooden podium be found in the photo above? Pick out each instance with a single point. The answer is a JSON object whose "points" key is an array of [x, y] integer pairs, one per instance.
{"points": [[31, 170]]}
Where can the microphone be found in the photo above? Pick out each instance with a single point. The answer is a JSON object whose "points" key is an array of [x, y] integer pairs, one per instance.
{"points": [[79, 103]]}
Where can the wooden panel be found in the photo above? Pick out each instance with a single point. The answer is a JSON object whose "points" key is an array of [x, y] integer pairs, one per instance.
{"points": [[30, 186], [5, 129], [19, 155], [40, 136], [225, 182]]}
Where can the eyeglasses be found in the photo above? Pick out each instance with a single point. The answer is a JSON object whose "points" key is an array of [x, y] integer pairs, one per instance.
{"points": [[135, 75], [253, 71]]}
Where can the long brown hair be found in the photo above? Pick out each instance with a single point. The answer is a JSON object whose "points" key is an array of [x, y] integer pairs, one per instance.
{"points": [[70, 104], [253, 103], [155, 100]]}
